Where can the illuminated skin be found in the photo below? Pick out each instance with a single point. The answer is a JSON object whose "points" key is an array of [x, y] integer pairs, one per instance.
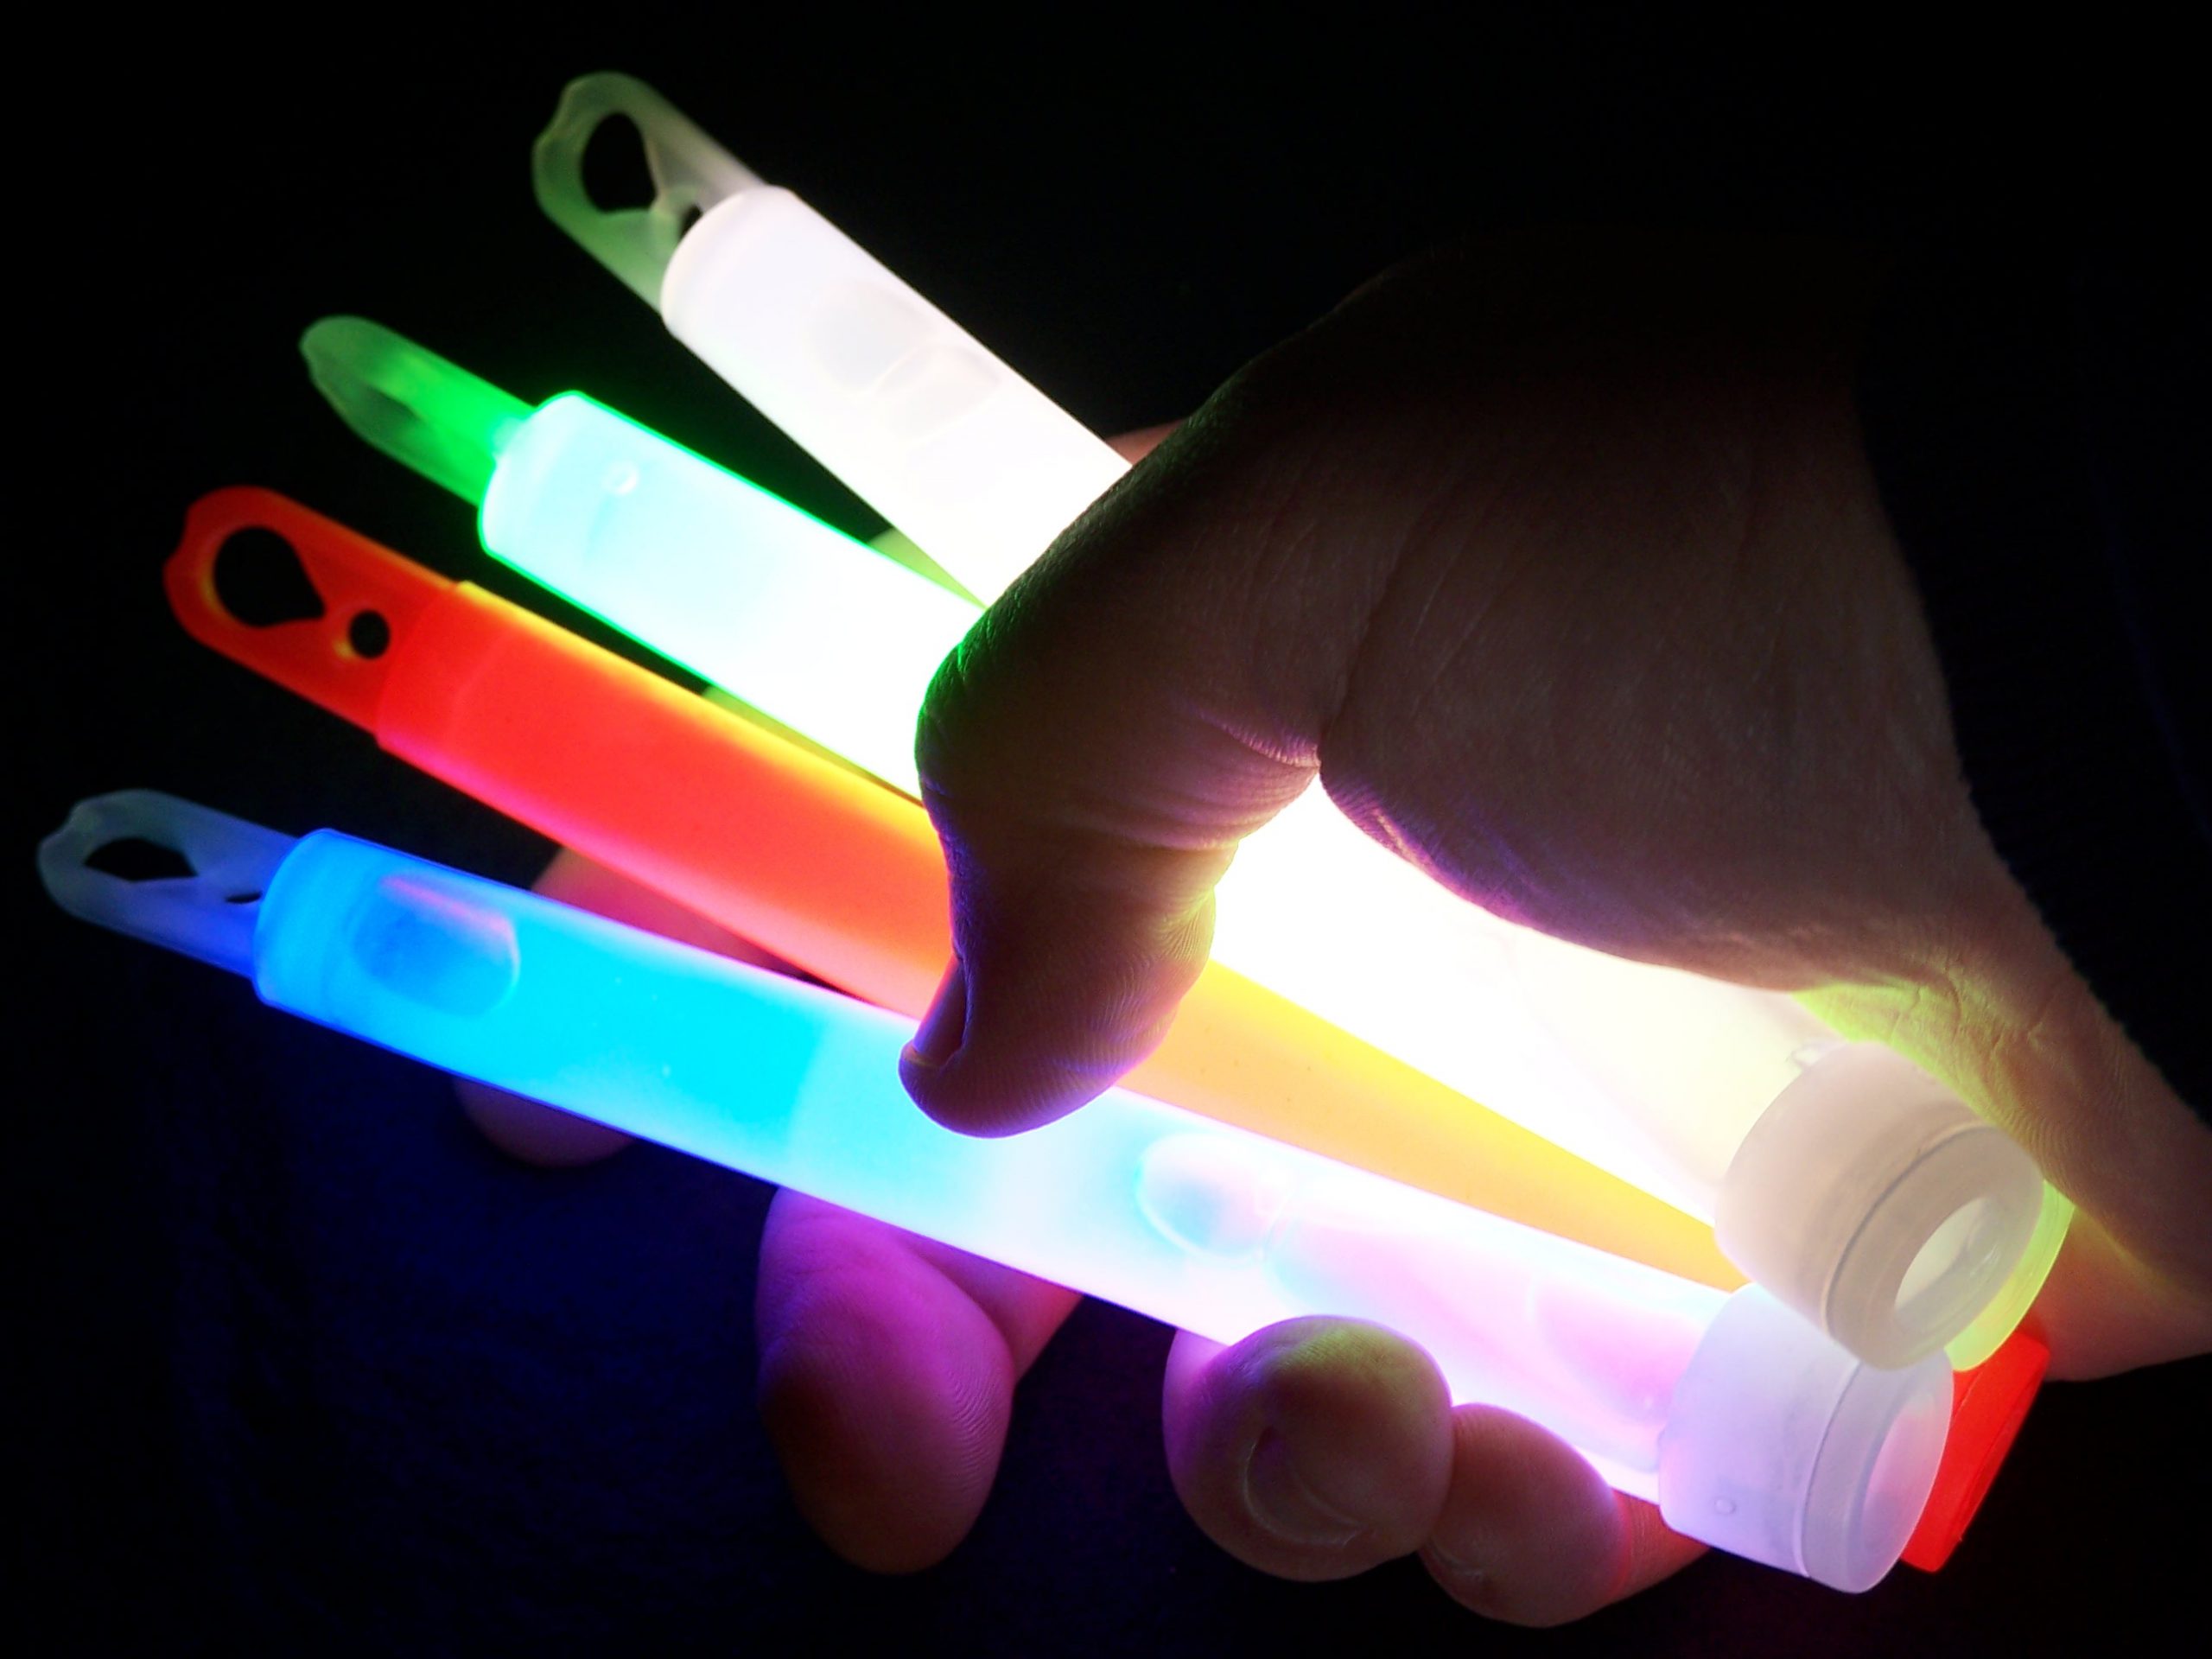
{"points": [[1437, 400]]}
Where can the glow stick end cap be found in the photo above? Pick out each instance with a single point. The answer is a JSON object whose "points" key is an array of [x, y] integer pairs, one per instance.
{"points": [[1875, 1203], [1781, 1447], [1995, 1325], [1988, 1404]]}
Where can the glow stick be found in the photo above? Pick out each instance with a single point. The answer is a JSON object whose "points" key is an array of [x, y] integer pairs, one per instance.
{"points": [[595, 497], [1869, 1198], [1749, 1430], [823, 866], [871, 379], [923, 422]]}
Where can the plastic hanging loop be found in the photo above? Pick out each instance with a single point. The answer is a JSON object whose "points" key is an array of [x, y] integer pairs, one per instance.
{"points": [[209, 912], [339, 659], [845, 879], [690, 174], [412, 405]]}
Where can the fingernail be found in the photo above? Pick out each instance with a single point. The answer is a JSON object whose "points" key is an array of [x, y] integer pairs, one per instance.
{"points": [[1464, 1577], [942, 1029], [1283, 1501]]}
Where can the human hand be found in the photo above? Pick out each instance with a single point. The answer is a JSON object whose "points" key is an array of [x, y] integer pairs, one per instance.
{"points": [[1510, 550], [1559, 562]]}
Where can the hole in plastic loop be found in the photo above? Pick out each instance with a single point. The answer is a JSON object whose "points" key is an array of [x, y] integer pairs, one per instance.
{"points": [[260, 581], [685, 220], [616, 171], [369, 634], [252, 896], [133, 858]]}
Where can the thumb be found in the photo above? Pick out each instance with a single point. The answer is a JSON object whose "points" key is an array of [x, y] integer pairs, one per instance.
{"points": [[1503, 548], [1141, 699]]}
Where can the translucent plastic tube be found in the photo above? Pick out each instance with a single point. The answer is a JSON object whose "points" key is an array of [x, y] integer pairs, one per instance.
{"points": [[1749, 1430], [1846, 1182], [1895, 1254], [918, 420], [827, 868]]}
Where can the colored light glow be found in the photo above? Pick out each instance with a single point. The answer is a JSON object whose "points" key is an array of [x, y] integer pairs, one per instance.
{"points": [[2000, 1319], [1750, 1429], [1989, 1401], [827, 868], [594, 497], [982, 471], [445, 422], [1654, 1075], [949, 444]]}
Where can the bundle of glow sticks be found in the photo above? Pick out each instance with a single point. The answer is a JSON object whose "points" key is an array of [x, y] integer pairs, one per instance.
{"points": [[1307, 1140]]}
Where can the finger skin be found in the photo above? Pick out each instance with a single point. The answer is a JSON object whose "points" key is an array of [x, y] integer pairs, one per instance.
{"points": [[531, 1130], [1314, 1449], [1529, 1535], [888, 1369], [1318, 1448]]}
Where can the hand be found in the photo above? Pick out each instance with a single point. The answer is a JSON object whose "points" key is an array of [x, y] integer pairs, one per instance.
{"points": [[1559, 562], [1561, 565]]}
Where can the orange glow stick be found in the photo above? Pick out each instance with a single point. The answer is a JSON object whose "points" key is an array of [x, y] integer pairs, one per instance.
{"points": [[825, 868]]}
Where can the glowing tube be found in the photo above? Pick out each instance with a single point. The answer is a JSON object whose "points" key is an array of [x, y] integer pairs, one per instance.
{"points": [[1892, 1255], [933, 431], [593, 497], [1749, 1429], [827, 868], [982, 471], [1868, 1199]]}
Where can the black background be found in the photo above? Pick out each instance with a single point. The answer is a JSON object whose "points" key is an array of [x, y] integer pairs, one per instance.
{"points": [[313, 1369]]}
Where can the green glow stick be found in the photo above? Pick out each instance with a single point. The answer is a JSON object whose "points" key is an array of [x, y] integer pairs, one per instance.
{"points": [[746, 589]]}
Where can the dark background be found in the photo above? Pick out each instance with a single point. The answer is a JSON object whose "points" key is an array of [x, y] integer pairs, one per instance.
{"points": [[313, 1369]]}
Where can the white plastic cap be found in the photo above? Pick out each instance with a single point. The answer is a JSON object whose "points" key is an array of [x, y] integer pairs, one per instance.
{"points": [[1781, 1447], [1874, 1202]]}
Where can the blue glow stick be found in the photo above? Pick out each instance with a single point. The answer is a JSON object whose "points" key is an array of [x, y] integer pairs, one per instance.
{"points": [[1752, 1431]]}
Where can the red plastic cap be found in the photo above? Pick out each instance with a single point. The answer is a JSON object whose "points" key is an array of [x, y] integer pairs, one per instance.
{"points": [[1988, 1404]]}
